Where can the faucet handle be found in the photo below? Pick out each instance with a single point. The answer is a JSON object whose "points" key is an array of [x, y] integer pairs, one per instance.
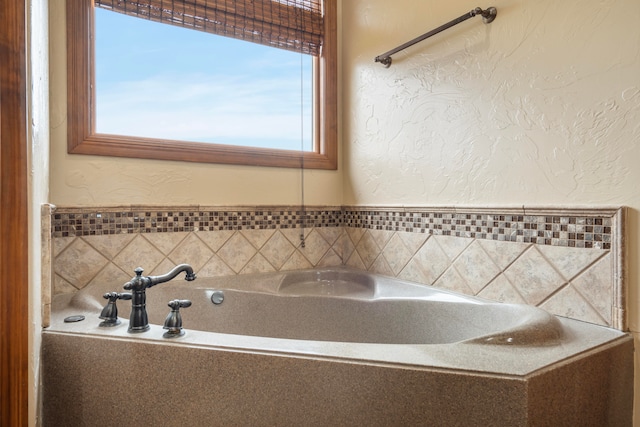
{"points": [[173, 322], [177, 304], [109, 313]]}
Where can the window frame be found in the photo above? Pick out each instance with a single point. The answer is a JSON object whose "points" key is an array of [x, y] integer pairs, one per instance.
{"points": [[81, 109]]}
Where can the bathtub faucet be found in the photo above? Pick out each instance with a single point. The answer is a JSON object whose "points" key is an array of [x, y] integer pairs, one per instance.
{"points": [[138, 321]]}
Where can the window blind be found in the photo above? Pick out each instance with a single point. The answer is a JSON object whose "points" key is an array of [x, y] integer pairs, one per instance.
{"points": [[295, 25]]}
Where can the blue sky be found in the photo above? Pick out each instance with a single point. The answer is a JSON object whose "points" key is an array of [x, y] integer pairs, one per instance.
{"points": [[162, 81]]}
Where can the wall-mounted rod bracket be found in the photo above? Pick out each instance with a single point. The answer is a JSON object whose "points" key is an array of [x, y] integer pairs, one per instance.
{"points": [[488, 15]]}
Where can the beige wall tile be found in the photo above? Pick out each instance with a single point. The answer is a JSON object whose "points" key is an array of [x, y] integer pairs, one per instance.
{"points": [[236, 252], [277, 250], [139, 253], [78, 263], [534, 277], [569, 303]]}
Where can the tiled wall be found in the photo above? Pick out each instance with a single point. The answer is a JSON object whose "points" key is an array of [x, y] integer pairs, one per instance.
{"points": [[568, 262]]}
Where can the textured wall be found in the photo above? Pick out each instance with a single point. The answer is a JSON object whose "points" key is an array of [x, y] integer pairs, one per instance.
{"points": [[540, 107]]}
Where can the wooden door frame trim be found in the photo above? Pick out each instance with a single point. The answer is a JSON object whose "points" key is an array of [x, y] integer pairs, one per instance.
{"points": [[14, 258]]}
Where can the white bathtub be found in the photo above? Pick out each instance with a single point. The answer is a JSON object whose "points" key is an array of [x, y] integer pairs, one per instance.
{"points": [[336, 329]]}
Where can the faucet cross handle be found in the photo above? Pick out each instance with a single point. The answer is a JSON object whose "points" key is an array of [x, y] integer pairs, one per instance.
{"points": [[109, 314], [173, 322]]}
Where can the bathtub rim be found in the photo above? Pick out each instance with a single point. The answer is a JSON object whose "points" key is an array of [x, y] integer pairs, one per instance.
{"points": [[465, 356], [528, 325], [470, 355]]}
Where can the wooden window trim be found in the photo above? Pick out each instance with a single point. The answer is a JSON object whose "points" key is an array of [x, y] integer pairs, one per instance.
{"points": [[82, 138]]}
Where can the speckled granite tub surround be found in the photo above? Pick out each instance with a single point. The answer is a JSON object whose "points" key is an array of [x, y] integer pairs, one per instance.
{"points": [[218, 387], [567, 261], [284, 349]]}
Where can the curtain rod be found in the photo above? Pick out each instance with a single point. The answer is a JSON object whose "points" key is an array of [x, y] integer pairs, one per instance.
{"points": [[488, 16]]}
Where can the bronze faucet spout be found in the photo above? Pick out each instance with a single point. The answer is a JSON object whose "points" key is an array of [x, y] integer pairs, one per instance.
{"points": [[156, 280]]}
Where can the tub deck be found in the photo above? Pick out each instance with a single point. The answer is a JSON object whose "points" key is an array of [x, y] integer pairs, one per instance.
{"points": [[440, 360], [343, 314]]}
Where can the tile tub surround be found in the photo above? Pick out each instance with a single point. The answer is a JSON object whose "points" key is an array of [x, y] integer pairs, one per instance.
{"points": [[567, 261]]}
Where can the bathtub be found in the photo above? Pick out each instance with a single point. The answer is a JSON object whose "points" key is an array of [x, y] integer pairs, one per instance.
{"points": [[330, 347]]}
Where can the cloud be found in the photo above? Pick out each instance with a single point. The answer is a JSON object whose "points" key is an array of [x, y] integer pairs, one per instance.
{"points": [[199, 107]]}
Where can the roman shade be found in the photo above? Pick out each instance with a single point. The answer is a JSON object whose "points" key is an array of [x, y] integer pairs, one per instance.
{"points": [[295, 25]]}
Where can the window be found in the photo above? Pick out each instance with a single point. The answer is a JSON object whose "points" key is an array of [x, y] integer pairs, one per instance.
{"points": [[83, 130]]}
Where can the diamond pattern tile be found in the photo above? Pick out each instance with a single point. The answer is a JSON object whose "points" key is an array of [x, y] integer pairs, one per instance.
{"points": [[297, 261], [414, 273], [570, 261], [380, 266], [476, 267], [215, 267], [166, 242], [368, 249], [500, 289], [59, 243], [236, 252], [396, 254], [113, 276], [355, 234], [344, 247], [330, 259], [330, 234], [215, 239], [503, 253], [452, 246], [355, 261], [277, 250], [61, 286], [569, 303], [413, 241], [109, 245], [533, 277], [257, 237], [382, 237], [191, 251], [431, 260], [258, 264], [138, 253], [293, 235], [596, 286], [315, 247], [79, 263], [451, 280]]}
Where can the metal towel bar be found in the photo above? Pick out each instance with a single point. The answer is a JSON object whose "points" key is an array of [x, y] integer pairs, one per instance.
{"points": [[488, 15]]}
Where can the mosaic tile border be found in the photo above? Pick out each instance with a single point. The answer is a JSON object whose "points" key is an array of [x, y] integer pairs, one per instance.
{"points": [[75, 222], [580, 231], [579, 228]]}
